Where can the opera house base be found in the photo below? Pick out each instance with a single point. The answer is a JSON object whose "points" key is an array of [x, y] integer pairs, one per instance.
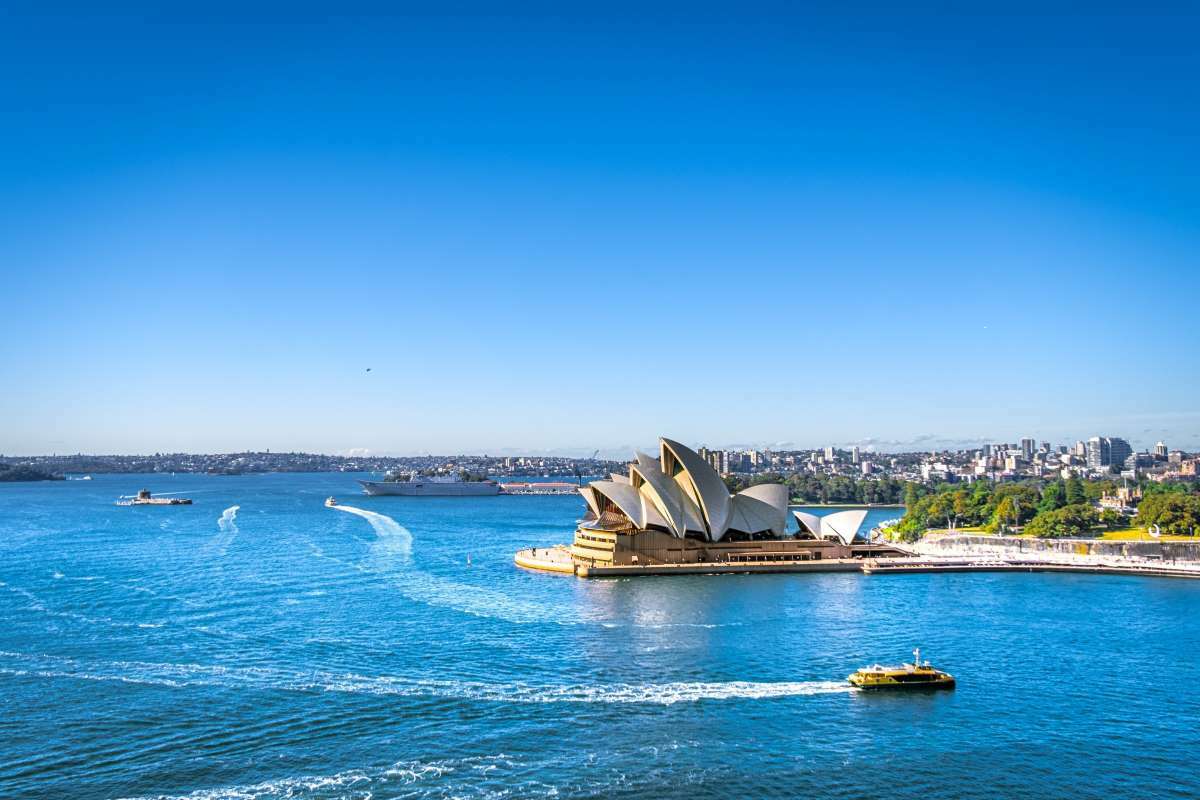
{"points": [[599, 553]]}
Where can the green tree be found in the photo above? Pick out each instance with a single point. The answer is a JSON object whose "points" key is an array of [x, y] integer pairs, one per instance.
{"points": [[1074, 491], [1013, 504], [912, 493], [1054, 497], [1174, 513], [1072, 520], [1007, 512]]}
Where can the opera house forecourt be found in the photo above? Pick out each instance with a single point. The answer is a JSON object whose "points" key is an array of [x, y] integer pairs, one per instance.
{"points": [[673, 514]]}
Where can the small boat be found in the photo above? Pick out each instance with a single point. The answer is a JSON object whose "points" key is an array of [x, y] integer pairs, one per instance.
{"points": [[144, 498], [917, 675], [330, 502]]}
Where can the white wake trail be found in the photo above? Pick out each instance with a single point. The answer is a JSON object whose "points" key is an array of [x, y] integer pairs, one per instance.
{"points": [[228, 530], [260, 678], [393, 549], [395, 539], [228, 520]]}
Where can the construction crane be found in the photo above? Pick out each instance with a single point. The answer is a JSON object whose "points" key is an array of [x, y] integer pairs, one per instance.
{"points": [[575, 467]]}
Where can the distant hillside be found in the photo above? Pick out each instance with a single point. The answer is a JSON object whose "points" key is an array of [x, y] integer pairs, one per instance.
{"points": [[21, 472]]}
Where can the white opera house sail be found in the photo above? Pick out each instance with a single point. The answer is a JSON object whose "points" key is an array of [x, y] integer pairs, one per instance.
{"points": [[681, 495]]}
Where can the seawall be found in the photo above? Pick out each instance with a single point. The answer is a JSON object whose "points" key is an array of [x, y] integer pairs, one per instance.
{"points": [[1083, 550]]}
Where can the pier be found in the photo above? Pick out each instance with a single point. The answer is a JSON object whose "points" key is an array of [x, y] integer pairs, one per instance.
{"points": [[918, 565]]}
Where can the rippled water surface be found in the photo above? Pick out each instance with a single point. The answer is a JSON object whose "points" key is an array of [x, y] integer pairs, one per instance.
{"points": [[259, 645]]}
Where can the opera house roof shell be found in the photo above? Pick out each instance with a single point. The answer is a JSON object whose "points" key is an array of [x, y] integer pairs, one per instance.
{"points": [[841, 525], [681, 494]]}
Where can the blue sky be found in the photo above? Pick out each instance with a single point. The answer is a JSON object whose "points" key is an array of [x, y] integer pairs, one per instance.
{"points": [[760, 224]]}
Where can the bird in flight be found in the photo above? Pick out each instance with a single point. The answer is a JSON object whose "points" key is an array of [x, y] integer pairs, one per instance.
{"points": [[368, 369]]}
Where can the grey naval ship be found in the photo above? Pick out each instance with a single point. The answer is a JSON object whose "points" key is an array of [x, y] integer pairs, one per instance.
{"points": [[413, 485]]}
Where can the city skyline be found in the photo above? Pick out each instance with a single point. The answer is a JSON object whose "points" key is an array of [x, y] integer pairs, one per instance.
{"points": [[924, 444], [417, 232]]}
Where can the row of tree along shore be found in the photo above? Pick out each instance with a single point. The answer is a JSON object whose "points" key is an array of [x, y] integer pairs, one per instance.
{"points": [[1042, 508], [822, 489], [1050, 509]]}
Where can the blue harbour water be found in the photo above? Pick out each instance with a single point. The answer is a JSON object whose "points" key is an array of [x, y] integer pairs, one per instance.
{"points": [[259, 645]]}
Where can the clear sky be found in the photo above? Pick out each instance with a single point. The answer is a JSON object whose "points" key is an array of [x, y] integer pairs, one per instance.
{"points": [[540, 230]]}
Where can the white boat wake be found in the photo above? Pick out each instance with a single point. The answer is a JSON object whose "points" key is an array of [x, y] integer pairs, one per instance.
{"points": [[269, 678], [228, 531], [394, 538], [391, 554]]}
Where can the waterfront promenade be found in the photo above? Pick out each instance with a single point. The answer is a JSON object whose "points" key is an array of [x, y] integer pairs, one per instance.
{"points": [[1093, 552], [932, 554]]}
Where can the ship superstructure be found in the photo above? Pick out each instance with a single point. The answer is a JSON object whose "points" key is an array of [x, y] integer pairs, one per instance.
{"points": [[414, 485]]}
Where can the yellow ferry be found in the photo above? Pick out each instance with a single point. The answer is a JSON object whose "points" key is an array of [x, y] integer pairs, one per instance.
{"points": [[916, 675]]}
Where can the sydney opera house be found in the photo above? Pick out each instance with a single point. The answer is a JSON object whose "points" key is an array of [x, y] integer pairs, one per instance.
{"points": [[675, 511]]}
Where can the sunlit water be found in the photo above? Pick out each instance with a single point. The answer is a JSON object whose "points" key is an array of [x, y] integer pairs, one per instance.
{"points": [[259, 645]]}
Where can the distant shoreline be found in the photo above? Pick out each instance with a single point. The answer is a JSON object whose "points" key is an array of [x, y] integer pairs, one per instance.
{"points": [[25, 474]]}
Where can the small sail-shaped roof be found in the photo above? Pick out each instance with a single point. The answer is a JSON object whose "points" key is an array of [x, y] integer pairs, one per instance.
{"points": [[843, 525]]}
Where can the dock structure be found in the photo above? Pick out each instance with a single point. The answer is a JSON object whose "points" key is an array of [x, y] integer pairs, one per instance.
{"points": [[559, 559], [901, 566]]}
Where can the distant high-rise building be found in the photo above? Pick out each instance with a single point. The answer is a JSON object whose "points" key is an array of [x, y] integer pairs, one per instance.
{"points": [[1027, 445], [717, 459], [1118, 450], [830, 453], [1045, 448], [1136, 461], [856, 456], [1081, 449], [1160, 450], [1106, 451]]}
